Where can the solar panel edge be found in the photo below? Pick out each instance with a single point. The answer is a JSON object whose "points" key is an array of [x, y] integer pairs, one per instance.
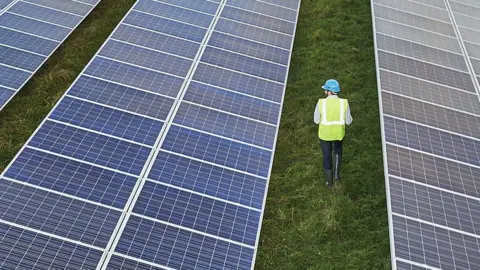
{"points": [[384, 150], [8, 6], [2, 106]]}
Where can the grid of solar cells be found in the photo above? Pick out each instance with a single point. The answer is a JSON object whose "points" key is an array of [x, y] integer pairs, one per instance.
{"points": [[172, 123], [30, 31], [427, 69], [201, 203], [70, 183], [467, 17], [4, 4]]}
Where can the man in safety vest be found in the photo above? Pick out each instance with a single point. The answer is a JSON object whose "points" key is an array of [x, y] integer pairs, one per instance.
{"points": [[331, 114]]}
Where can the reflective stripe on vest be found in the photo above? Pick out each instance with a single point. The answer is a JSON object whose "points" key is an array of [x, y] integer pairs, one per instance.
{"points": [[324, 114]]}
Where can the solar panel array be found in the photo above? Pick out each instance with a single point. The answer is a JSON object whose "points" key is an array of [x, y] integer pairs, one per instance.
{"points": [[159, 154], [30, 31], [427, 55]]}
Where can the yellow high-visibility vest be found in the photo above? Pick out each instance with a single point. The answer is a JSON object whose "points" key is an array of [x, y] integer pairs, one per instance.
{"points": [[332, 121]]}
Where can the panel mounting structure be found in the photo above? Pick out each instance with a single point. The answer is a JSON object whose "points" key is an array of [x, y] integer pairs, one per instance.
{"points": [[428, 63], [159, 154], [30, 32]]}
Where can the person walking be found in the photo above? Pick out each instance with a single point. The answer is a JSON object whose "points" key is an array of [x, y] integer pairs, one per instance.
{"points": [[331, 114]]}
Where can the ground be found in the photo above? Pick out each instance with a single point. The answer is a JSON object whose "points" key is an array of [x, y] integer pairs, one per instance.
{"points": [[306, 226]]}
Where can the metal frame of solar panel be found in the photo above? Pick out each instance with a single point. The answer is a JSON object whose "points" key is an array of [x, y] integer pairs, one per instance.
{"points": [[30, 32], [427, 56], [4, 4], [159, 154]]}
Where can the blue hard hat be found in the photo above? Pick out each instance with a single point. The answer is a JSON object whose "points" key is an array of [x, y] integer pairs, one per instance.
{"points": [[332, 86]]}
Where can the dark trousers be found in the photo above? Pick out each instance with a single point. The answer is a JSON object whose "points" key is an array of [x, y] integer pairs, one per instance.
{"points": [[327, 152]]}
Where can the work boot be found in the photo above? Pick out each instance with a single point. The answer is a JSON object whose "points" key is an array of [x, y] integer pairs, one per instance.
{"points": [[338, 163], [329, 182]]}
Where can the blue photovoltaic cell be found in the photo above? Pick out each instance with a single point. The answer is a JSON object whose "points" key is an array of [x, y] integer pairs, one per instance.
{"points": [[217, 150], [406, 266], [156, 41], [76, 7], [430, 205], [27, 42], [174, 13], [46, 14], [5, 3], [239, 82], [88, 1], [265, 8], [226, 125], [56, 214], [211, 180], [292, 4], [34, 27], [198, 212], [146, 58], [254, 33], [204, 6], [134, 76], [244, 64], [247, 47], [20, 59], [166, 26], [106, 120], [91, 147], [434, 246], [232, 102], [176, 248], [121, 97], [120, 263], [258, 20], [11, 77], [446, 174], [72, 177], [426, 71], [432, 140], [30, 250], [5, 94]]}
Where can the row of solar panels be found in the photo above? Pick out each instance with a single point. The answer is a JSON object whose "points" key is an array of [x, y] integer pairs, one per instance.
{"points": [[30, 31], [159, 154], [427, 66]]}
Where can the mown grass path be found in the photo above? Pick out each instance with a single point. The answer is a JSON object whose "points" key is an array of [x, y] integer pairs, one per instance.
{"points": [[306, 226]]}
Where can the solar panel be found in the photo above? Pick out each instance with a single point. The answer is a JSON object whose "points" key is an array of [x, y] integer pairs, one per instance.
{"points": [[30, 31], [427, 70], [4, 4], [158, 156]]}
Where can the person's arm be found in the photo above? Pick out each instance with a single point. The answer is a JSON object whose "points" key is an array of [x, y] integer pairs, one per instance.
{"points": [[348, 119], [316, 115]]}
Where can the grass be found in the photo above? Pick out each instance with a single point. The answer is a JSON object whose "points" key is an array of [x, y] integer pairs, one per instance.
{"points": [[305, 225]]}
